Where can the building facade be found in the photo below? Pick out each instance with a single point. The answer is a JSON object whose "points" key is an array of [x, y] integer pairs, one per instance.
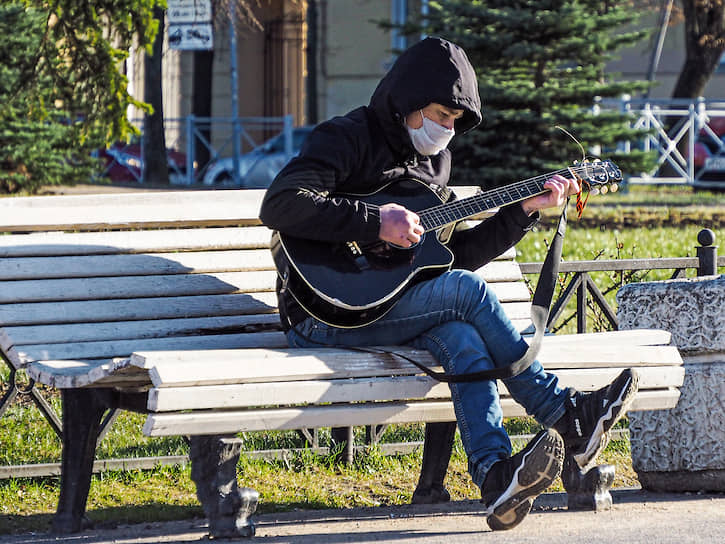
{"points": [[314, 59]]}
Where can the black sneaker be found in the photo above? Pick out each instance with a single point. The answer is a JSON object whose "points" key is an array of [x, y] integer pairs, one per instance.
{"points": [[589, 417], [512, 484]]}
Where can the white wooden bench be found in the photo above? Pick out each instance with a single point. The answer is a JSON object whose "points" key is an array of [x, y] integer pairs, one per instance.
{"points": [[164, 303]]}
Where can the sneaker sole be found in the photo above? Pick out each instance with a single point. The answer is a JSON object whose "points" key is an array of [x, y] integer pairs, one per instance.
{"points": [[615, 410], [539, 467]]}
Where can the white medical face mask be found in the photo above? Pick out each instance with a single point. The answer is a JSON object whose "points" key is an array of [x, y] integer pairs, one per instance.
{"points": [[431, 138]]}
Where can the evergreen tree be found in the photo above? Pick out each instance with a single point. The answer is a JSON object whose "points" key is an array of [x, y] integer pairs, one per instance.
{"points": [[37, 135], [62, 88], [540, 65]]}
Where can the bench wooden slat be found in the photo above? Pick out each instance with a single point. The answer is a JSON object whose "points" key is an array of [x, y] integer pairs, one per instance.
{"points": [[302, 392], [93, 311], [641, 337], [139, 210], [89, 266], [57, 374], [233, 421], [41, 370], [83, 332], [176, 369], [501, 271], [508, 255], [510, 293], [137, 287], [114, 287], [372, 389], [115, 373], [124, 348], [42, 244], [29, 338], [522, 324]]}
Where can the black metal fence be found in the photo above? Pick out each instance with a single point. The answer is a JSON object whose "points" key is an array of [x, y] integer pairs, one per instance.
{"points": [[581, 285]]}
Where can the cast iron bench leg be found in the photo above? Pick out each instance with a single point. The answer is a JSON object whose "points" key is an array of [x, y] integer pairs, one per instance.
{"points": [[587, 490], [344, 438], [437, 450], [83, 411], [214, 470]]}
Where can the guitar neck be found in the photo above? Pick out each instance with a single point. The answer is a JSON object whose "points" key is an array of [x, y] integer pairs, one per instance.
{"points": [[439, 216]]}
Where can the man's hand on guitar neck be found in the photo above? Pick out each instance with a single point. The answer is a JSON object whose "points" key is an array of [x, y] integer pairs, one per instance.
{"points": [[399, 226], [559, 188]]}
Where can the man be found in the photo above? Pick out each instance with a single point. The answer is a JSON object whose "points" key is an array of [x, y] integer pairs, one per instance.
{"points": [[429, 94]]}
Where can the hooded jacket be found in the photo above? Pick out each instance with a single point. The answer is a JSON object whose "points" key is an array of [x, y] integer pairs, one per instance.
{"points": [[369, 147]]}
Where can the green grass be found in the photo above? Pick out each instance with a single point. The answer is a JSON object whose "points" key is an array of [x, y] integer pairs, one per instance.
{"points": [[658, 195], [301, 480], [27, 438], [582, 243], [652, 206]]}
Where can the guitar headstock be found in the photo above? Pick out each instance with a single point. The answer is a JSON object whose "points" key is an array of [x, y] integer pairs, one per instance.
{"points": [[598, 176]]}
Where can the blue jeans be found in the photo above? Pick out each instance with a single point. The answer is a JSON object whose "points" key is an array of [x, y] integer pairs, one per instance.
{"points": [[461, 322]]}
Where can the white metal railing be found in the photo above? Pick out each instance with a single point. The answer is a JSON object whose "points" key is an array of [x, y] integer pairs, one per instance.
{"points": [[673, 128], [248, 131]]}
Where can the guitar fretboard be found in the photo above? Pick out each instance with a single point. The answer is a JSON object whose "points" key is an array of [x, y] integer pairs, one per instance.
{"points": [[452, 212]]}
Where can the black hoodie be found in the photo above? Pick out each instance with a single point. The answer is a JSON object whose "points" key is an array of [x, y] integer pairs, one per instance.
{"points": [[370, 146]]}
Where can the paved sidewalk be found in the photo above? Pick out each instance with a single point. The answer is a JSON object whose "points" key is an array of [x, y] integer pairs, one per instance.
{"points": [[636, 517]]}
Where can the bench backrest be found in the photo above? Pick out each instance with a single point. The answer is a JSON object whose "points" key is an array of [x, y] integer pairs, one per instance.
{"points": [[88, 279]]}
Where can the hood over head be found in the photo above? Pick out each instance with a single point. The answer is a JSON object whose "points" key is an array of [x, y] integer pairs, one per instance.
{"points": [[432, 70]]}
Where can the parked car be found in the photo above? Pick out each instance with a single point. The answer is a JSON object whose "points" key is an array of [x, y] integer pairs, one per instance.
{"points": [[123, 162], [709, 156], [259, 167]]}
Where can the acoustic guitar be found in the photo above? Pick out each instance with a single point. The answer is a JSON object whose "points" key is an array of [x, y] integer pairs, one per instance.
{"points": [[351, 284]]}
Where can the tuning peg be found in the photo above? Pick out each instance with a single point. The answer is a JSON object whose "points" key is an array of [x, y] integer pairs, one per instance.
{"points": [[604, 190], [595, 191], [614, 187]]}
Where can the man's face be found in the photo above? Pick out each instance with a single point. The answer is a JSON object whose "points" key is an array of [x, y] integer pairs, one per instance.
{"points": [[443, 115]]}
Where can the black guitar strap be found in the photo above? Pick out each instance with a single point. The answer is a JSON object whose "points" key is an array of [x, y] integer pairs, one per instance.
{"points": [[539, 315]]}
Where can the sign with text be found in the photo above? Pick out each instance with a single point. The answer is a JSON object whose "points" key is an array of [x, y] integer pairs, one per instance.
{"points": [[190, 26], [189, 11]]}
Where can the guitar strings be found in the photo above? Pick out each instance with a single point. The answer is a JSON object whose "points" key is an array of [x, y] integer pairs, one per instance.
{"points": [[577, 142], [445, 214]]}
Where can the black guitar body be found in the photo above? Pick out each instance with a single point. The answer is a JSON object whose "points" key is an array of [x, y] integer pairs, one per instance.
{"points": [[350, 285]]}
